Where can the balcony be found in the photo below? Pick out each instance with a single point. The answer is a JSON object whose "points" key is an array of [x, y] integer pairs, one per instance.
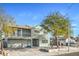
{"points": [[21, 33], [18, 37]]}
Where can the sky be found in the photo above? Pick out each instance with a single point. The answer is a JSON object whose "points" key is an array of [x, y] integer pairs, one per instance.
{"points": [[34, 13]]}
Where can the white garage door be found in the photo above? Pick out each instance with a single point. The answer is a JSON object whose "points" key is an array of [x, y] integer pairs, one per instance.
{"points": [[17, 43]]}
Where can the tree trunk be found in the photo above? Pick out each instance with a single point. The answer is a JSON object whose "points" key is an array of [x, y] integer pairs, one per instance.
{"points": [[1, 46], [57, 43]]}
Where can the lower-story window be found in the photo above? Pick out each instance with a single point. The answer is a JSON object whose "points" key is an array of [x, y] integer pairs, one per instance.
{"points": [[44, 41]]}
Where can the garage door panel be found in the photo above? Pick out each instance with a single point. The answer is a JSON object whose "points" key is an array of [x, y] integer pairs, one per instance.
{"points": [[17, 43]]}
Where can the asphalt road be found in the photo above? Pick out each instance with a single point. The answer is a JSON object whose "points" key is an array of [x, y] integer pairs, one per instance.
{"points": [[70, 54]]}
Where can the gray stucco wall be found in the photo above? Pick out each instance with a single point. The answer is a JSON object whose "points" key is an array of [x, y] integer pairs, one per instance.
{"points": [[41, 44], [44, 44]]}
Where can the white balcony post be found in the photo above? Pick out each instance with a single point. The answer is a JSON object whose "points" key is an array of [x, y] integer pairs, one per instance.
{"points": [[16, 33], [21, 32], [31, 38], [31, 43]]}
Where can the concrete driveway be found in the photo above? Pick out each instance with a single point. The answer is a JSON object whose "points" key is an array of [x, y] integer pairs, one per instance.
{"points": [[37, 52], [27, 52]]}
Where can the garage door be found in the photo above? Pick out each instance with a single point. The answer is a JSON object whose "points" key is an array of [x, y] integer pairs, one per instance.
{"points": [[17, 43]]}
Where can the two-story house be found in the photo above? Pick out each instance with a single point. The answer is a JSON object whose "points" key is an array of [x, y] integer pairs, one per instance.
{"points": [[26, 36]]}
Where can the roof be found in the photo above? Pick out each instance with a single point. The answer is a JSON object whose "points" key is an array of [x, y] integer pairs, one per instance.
{"points": [[22, 27]]}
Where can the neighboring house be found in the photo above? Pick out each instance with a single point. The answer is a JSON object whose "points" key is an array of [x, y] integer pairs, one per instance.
{"points": [[71, 41], [53, 40], [26, 36]]}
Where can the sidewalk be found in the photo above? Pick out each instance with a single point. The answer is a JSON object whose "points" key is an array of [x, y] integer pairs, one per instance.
{"points": [[37, 52], [64, 50]]}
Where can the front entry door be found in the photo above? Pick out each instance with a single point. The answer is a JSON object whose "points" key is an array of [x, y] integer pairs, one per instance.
{"points": [[35, 42], [28, 43]]}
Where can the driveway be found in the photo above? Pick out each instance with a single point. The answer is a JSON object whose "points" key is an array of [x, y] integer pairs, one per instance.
{"points": [[36, 52], [27, 52]]}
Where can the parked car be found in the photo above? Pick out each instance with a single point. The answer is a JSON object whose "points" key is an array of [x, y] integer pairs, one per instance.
{"points": [[71, 42]]}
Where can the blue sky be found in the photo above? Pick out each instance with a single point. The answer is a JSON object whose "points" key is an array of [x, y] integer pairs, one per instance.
{"points": [[33, 14]]}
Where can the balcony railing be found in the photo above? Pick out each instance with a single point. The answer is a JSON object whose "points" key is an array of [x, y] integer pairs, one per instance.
{"points": [[19, 37]]}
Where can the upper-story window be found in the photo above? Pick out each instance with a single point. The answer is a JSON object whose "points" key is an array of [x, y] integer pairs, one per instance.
{"points": [[26, 32], [14, 33], [19, 32], [44, 41], [36, 31]]}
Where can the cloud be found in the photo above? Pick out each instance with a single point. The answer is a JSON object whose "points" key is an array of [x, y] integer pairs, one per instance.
{"points": [[29, 16], [75, 18], [23, 14], [34, 17], [75, 29], [74, 25]]}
